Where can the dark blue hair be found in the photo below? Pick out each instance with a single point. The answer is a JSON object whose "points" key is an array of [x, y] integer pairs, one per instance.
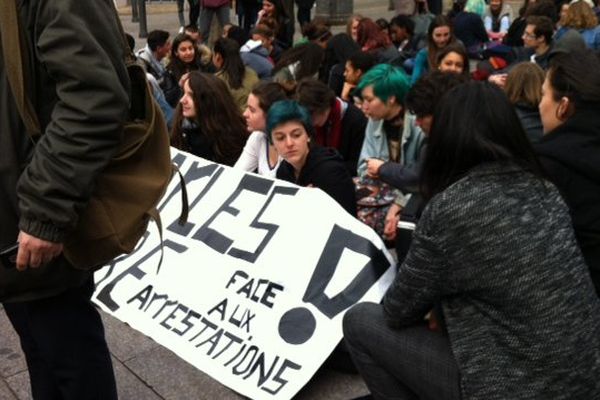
{"points": [[285, 111]]}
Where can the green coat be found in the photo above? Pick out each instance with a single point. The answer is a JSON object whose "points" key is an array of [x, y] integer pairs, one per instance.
{"points": [[79, 87]]}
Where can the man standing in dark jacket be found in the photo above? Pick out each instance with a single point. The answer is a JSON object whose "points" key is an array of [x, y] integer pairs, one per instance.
{"points": [[79, 87]]}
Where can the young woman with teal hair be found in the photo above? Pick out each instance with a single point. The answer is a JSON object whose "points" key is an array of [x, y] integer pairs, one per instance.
{"points": [[289, 128], [382, 89]]}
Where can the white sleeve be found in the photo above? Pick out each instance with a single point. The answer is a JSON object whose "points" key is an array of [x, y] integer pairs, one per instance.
{"points": [[248, 160]]}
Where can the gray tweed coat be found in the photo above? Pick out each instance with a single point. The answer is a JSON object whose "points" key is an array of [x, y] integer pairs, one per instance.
{"points": [[497, 250]]}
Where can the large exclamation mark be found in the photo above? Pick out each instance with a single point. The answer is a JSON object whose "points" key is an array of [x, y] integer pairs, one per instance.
{"points": [[298, 325]]}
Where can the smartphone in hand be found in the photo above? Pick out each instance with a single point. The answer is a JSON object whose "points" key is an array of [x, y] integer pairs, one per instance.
{"points": [[8, 256]]}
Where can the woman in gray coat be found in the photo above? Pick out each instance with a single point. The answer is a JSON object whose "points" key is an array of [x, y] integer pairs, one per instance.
{"points": [[494, 264]]}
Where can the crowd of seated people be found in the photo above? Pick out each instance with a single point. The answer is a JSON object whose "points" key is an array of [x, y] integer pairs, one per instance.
{"points": [[483, 120]]}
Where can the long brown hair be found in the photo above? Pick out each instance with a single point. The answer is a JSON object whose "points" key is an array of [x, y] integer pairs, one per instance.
{"points": [[217, 117], [524, 84], [432, 49]]}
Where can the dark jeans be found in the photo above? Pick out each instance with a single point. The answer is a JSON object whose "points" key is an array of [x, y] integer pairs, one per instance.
{"points": [[304, 8], [194, 12], [63, 341], [248, 11], [407, 363]]}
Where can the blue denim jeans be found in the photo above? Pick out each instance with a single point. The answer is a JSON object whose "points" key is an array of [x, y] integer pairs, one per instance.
{"points": [[206, 17], [406, 363]]}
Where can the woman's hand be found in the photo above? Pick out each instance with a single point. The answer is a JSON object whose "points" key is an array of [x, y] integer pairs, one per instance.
{"points": [[373, 165], [391, 221], [346, 90], [498, 79]]}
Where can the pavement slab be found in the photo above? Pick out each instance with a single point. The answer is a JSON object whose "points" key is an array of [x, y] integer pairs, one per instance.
{"points": [[125, 342], [5, 392], [19, 385], [129, 386], [12, 359], [173, 378]]}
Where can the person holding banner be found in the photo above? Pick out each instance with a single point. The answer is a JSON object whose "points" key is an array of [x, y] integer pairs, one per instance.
{"points": [[495, 256], [290, 129]]}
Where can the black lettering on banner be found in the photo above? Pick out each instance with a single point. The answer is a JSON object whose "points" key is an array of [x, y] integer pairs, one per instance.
{"points": [[270, 228], [222, 243], [207, 324], [339, 239], [180, 307], [220, 308], [155, 297], [259, 365], [278, 376], [232, 339], [192, 174], [166, 304], [232, 279], [263, 291], [236, 356], [135, 270], [186, 321], [239, 319], [213, 341], [236, 370], [142, 296]]}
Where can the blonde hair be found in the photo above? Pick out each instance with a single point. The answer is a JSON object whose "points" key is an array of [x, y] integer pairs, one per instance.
{"points": [[580, 16], [524, 84]]}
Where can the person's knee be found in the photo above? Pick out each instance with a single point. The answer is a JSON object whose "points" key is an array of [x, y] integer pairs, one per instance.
{"points": [[358, 319]]}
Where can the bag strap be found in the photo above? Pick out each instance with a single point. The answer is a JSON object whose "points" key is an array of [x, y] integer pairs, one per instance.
{"points": [[128, 55], [16, 59], [183, 217]]}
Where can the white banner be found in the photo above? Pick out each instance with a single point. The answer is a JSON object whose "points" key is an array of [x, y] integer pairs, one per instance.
{"points": [[253, 288]]}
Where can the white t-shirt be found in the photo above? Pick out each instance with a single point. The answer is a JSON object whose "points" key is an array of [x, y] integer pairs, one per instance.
{"points": [[256, 156]]}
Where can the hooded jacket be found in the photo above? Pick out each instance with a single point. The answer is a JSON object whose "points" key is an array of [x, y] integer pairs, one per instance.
{"points": [[325, 169], [255, 56], [79, 87], [570, 154]]}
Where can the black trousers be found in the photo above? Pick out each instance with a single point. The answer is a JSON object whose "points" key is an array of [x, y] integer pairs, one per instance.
{"points": [[194, 12], [304, 7], [64, 345]]}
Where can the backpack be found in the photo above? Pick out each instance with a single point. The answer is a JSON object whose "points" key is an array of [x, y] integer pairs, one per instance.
{"points": [[128, 190]]}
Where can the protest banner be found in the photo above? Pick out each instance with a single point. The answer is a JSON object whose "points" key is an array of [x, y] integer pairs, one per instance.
{"points": [[253, 288]]}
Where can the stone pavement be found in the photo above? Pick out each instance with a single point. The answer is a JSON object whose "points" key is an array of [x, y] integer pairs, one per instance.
{"points": [[147, 371], [144, 369]]}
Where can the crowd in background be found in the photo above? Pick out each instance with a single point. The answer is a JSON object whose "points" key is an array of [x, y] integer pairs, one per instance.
{"points": [[479, 126]]}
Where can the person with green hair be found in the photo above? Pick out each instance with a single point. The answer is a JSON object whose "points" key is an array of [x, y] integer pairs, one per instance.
{"points": [[382, 89]]}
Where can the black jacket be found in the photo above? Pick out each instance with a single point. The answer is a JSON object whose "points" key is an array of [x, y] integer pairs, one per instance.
{"points": [[571, 156], [354, 124], [530, 120], [79, 86], [324, 168]]}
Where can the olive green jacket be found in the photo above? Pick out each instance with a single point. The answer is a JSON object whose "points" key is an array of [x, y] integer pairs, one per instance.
{"points": [[79, 87]]}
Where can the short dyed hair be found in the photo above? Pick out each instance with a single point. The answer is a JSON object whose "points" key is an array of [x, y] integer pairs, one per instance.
{"points": [[387, 80], [287, 111]]}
